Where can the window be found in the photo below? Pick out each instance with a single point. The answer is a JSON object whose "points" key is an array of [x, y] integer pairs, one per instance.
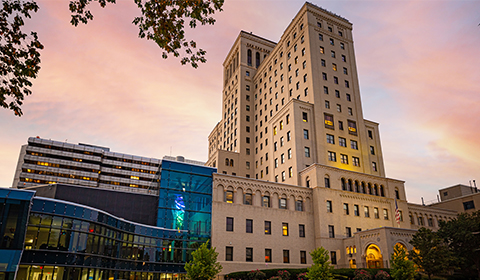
{"points": [[327, 182], [340, 125], [304, 65], [352, 127], [334, 67], [268, 255], [349, 98], [249, 255], [329, 206], [290, 172], [303, 257], [356, 161], [229, 224], [328, 119], [348, 232], [331, 231], [282, 203], [345, 209], [289, 153], [304, 116], [330, 139], [347, 84], [350, 111], [430, 222], [339, 108], [344, 58], [268, 227], [342, 45], [356, 212], [322, 50], [305, 134], [375, 213], [354, 144], [266, 201], [397, 195], [289, 136], [327, 104], [305, 78], [467, 205], [247, 199], [229, 253], [343, 159], [276, 162], [282, 158], [420, 221], [281, 142], [335, 80], [370, 134], [305, 91], [333, 257], [367, 211], [299, 205], [385, 214], [374, 166], [323, 63], [286, 256], [285, 229], [307, 152], [332, 156], [301, 230], [320, 36], [249, 226], [342, 141], [229, 196], [324, 76], [332, 54]]}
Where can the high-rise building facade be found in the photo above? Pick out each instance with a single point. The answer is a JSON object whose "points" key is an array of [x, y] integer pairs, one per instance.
{"points": [[294, 103]]}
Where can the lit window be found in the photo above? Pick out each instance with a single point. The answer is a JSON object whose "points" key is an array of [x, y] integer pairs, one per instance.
{"points": [[322, 50], [268, 255], [385, 214], [334, 67], [229, 196], [285, 229], [342, 141], [329, 206], [374, 166], [328, 121], [304, 116], [356, 161], [345, 209], [367, 211], [375, 213]]}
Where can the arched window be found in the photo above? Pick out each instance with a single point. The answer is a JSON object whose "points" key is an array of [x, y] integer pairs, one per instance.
{"points": [[231, 162], [350, 188], [327, 181], [357, 187], [344, 184], [397, 193], [249, 57], [257, 59], [307, 182], [227, 162], [382, 191], [370, 188], [375, 188], [363, 188]]}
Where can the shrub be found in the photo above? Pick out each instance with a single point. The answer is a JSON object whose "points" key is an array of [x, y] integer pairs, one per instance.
{"points": [[256, 274], [302, 276], [362, 275], [382, 275], [284, 274]]}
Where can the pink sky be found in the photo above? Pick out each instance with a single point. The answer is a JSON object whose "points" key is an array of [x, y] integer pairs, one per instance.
{"points": [[418, 64]]}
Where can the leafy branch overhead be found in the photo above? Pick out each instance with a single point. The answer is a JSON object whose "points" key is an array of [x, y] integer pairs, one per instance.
{"points": [[163, 21], [19, 56]]}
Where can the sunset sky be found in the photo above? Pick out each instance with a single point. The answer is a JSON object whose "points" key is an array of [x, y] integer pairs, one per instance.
{"points": [[418, 65]]}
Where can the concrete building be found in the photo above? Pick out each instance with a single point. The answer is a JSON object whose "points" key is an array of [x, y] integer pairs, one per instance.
{"points": [[298, 165], [460, 198]]}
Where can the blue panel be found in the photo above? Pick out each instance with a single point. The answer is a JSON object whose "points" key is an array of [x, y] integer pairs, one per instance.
{"points": [[37, 205], [4, 192], [20, 194]]}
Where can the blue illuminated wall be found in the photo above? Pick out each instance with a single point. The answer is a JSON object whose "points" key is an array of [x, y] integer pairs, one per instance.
{"points": [[14, 208], [185, 200]]}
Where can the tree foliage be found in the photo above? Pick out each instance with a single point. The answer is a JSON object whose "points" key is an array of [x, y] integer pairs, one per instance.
{"points": [[401, 267], [204, 265], [162, 21], [19, 54], [430, 253], [321, 268], [462, 235]]}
